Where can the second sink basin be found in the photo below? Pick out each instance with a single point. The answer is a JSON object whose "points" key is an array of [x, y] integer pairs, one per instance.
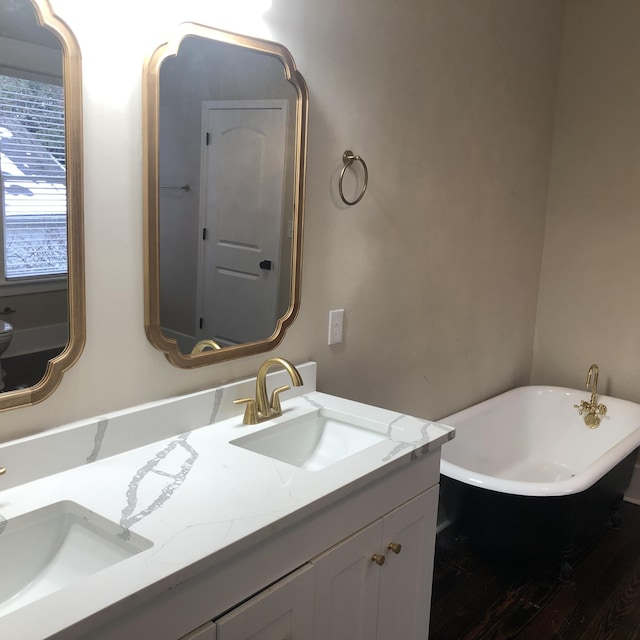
{"points": [[49, 548], [314, 441]]}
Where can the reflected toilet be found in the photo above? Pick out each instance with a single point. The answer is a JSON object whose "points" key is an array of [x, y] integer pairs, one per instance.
{"points": [[6, 333]]}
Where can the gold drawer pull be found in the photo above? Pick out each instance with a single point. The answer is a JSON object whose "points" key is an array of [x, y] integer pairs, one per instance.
{"points": [[378, 559], [396, 547]]}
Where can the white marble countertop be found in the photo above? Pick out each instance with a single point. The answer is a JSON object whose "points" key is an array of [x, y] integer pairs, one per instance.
{"points": [[197, 498]]}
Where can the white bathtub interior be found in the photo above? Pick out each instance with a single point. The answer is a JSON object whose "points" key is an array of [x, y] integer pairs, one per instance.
{"points": [[534, 435]]}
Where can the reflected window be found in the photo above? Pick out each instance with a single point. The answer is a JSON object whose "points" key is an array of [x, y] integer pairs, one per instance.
{"points": [[34, 193]]}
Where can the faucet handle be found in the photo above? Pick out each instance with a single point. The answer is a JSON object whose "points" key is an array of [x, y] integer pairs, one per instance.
{"points": [[582, 407], [276, 407], [250, 413]]}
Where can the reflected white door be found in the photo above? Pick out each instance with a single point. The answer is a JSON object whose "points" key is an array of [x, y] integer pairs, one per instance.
{"points": [[244, 147]]}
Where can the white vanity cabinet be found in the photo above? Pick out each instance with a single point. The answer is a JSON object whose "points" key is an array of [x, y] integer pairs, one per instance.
{"points": [[284, 611], [315, 579], [404, 598], [227, 538], [377, 583]]}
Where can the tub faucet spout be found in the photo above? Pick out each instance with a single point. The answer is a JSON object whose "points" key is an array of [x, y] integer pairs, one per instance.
{"points": [[592, 409], [593, 373]]}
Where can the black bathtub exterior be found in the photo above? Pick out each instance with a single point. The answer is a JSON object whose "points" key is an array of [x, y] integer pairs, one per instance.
{"points": [[532, 525]]}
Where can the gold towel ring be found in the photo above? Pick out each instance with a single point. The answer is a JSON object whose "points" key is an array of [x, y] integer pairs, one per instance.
{"points": [[348, 157]]}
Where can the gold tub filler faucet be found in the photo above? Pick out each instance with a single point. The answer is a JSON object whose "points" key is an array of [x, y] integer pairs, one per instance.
{"points": [[592, 410]]}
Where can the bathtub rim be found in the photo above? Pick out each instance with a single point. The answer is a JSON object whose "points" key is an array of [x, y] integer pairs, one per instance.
{"points": [[576, 484]]}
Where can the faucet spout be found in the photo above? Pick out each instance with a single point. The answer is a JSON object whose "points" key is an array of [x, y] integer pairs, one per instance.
{"points": [[204, 345], [265, 408], [592, 409], [593, 373], [262, 408]]}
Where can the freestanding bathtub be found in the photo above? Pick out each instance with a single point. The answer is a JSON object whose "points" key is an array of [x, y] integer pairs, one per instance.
{"points": [[524, 472]]}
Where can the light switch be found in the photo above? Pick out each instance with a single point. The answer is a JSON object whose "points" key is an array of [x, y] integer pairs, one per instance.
{"points": [[336, 321]]}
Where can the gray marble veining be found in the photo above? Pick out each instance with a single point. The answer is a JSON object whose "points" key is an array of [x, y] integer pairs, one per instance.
{"points": [[217, 401], [101, 429], [171, 453]]}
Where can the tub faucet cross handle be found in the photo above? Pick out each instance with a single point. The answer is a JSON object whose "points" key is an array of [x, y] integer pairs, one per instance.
{"points": [[592, 409]]}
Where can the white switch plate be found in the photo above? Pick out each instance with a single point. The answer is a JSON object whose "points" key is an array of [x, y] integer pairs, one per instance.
{"points": [[336, 321]]}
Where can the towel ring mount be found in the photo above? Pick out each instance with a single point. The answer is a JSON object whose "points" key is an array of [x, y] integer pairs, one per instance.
{"points": [[348, 157]]}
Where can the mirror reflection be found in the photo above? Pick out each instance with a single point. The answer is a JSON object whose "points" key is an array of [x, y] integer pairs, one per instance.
{"points": [[227, 120], [40, 234]]}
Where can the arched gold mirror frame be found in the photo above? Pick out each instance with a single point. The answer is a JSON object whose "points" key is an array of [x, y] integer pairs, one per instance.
{"points": [[151, 132], [72, 83]]}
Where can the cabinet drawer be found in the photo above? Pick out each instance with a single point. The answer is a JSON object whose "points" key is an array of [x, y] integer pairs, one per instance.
{"points": [[284, 611]]}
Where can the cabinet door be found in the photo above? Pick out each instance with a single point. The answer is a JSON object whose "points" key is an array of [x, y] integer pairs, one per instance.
{"points": [[284, 611], [205, 632], [404, 600], [347, 587]]}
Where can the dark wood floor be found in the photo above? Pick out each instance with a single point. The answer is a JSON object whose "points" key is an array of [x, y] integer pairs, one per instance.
{"points": [[477, 597]]}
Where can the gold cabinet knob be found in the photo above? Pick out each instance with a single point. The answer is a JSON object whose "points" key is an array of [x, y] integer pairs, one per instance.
{"points": [[2, 471], [396, 547], [378, 558]]}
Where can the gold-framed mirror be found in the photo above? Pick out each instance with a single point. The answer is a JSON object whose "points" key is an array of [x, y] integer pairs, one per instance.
{"points": [[42, 289], [224, 136]]}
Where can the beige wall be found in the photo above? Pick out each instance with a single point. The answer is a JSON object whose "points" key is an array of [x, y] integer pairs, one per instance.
{"points": [[450, 102], [589, 303]]}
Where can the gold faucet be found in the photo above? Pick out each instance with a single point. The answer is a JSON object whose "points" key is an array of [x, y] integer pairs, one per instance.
{"points": [[592, 409], [205, 344], [262, 409]]}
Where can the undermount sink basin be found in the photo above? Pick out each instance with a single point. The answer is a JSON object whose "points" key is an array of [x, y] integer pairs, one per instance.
{"points": [[49, 548], [314, 441]]}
